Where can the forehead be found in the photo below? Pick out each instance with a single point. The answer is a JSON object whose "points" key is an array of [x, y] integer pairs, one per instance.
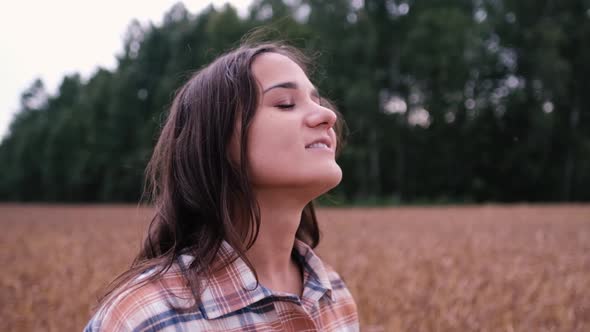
{"points": [[273, 68]]}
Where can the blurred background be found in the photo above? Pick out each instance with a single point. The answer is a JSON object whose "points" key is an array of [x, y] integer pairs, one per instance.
{"points": [[446, 101]]}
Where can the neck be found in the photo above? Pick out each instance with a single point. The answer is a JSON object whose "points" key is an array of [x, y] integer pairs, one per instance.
{"points": [[271, 253]]}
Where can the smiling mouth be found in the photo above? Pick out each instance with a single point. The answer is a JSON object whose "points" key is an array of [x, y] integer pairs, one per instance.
{"points": [[317, 146]]}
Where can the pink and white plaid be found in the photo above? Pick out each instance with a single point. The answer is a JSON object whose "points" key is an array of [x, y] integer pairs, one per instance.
{"points": [[232, 302]]}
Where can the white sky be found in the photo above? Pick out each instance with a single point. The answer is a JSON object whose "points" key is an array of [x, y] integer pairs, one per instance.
{"points": [[49, 39]]}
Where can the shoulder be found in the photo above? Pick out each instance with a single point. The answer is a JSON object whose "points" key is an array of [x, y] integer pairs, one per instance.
{"points": [[140, 303]]}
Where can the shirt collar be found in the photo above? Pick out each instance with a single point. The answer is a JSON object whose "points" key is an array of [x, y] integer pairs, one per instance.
{"points": [[233, 287]]}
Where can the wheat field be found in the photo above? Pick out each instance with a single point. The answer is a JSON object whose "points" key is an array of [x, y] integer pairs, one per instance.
{"points": [[473, 268]]}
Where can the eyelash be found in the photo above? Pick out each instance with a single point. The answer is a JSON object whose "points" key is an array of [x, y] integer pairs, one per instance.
{"points": [[288, 106]]}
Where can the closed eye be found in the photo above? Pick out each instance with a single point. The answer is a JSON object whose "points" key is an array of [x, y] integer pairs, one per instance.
{"points": [[285, 106]]}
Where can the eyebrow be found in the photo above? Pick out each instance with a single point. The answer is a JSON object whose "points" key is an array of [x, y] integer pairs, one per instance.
{"points": [[291, 85]]}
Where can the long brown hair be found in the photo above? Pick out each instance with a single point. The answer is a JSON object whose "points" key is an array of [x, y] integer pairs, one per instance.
{"points": [[200, 197]]}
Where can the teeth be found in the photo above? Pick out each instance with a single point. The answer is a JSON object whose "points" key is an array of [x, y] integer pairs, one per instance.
{"points": [[318, 145]]}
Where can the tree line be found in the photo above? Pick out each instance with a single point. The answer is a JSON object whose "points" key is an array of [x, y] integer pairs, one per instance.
{"points": [[445, 101]]}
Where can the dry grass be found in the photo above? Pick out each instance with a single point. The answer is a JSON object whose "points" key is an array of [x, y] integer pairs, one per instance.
{"points": [[489, 268]]}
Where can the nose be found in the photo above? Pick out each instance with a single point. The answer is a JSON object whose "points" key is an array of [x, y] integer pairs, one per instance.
{"points": [[321, 116]]}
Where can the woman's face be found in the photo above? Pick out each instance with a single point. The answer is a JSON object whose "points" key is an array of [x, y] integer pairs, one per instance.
{"points": [[291, 139]]}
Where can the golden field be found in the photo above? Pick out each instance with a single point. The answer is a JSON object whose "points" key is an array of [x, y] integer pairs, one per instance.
{"points": [[477, 268]]}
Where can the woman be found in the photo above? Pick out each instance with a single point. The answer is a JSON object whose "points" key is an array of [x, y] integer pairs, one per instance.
{"points": [[248, 144]]}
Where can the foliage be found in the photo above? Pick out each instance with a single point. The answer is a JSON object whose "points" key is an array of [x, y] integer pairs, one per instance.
{"points": [[481, 100]]}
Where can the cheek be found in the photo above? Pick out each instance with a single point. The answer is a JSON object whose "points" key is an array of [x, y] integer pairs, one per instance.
{"points": [[273, 152], [272, 134], [270, 143]]}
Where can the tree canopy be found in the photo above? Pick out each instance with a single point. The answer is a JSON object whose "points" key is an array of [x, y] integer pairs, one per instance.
{"points": [[454, 101]]}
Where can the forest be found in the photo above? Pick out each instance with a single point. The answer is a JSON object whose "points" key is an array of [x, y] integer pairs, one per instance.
{"points": [[458, 101]]}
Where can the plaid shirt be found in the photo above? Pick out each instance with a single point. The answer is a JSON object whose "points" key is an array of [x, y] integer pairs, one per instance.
{"points": [[230, 301]]}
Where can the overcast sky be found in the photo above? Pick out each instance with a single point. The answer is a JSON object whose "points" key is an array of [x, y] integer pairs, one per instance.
{"points": [[49, 39]]}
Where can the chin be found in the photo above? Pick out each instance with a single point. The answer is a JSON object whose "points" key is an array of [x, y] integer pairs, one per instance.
{"points": [[329, 181]]}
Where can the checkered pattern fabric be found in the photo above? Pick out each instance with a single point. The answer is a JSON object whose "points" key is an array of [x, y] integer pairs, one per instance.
{"points": [[231, 301]]}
